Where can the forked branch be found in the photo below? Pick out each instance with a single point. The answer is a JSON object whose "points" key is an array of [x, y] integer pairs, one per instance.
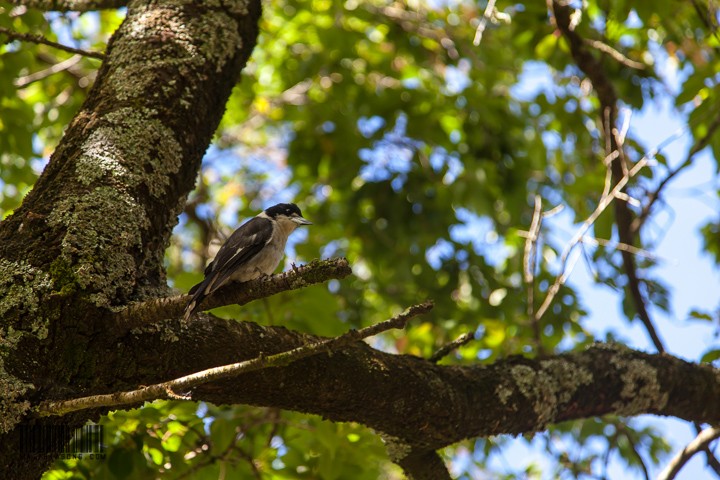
{"points": [[177, 387]]}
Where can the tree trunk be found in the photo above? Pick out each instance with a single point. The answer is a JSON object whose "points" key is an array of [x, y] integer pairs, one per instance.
{"points": [[91, 234]]}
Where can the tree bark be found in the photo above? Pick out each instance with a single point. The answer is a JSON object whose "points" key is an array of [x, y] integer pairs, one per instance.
{"points": [[431, 406], [91, 234]]}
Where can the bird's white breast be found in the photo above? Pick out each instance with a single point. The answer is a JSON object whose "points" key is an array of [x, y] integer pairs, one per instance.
{"points": [[267, 260]]}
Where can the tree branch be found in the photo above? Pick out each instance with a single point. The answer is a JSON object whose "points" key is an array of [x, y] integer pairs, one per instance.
{"points": [[443, 351], [187, 382], [711, 459], [595, 72], [614, 54], [697, 445], [27, 37], [24, 81], [430, 406], [604, 202], [529, 265], [158, 309], [418, 464]]}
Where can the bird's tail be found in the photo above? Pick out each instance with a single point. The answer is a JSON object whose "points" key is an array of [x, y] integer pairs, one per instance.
{"points": [[198, 295], [189, 310]]}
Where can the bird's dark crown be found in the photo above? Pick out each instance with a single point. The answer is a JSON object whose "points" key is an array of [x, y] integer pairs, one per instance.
{"points": [[287, 209]]}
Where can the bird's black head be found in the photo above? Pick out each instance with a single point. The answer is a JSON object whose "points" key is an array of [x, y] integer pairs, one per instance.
{"points": [[287, 212], [287, 209]]}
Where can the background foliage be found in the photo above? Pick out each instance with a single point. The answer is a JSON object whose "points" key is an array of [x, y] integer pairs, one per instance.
{"points": [[418, 155]]}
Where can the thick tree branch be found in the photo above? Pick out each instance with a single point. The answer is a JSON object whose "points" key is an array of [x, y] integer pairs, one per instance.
{"points": [[418, 464], [430, 406], [27, 37], [155, 310], [188, 382]]}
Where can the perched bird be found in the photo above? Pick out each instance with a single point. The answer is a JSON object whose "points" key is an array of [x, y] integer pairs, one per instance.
{"points": [[252, 251]]}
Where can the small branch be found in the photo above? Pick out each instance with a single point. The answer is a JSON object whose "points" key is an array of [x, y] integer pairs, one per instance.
{"points": [[27, 37], [711, 459], [695, 446], [627, 433], [602, 205], [489, 12], [614, 54], [26, 80], [562, 16], [621, 247], [159, 309], [529, 261], [186, 383], [463, 339]]}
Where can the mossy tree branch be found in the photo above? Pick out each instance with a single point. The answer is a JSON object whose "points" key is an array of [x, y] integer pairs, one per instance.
{"points": [[171, 388], [430, 406], [155, 310]]}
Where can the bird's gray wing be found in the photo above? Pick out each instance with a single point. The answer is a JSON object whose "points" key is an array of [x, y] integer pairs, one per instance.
{"points": [[245, 242]]}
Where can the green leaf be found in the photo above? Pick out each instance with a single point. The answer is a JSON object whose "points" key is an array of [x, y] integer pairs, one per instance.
{"points": [[547, 46], [711, 356], [698, 315]]}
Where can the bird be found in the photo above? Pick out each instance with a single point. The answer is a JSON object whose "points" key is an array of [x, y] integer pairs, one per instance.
{"points": [[252, 251]]}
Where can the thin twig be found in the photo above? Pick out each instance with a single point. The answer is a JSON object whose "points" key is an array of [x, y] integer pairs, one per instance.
{"points": [[442, 352], [711, 459], [619, 146], [188, 382], [530, 261], [619, 246], [489, 11], [605, 201], [695, 446], [627, 433], [614, 54], [27, 37], [57, 68], [562, 16]]}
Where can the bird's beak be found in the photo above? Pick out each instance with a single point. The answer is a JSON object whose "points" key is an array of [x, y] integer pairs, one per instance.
{"points": [[301, 221]]}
